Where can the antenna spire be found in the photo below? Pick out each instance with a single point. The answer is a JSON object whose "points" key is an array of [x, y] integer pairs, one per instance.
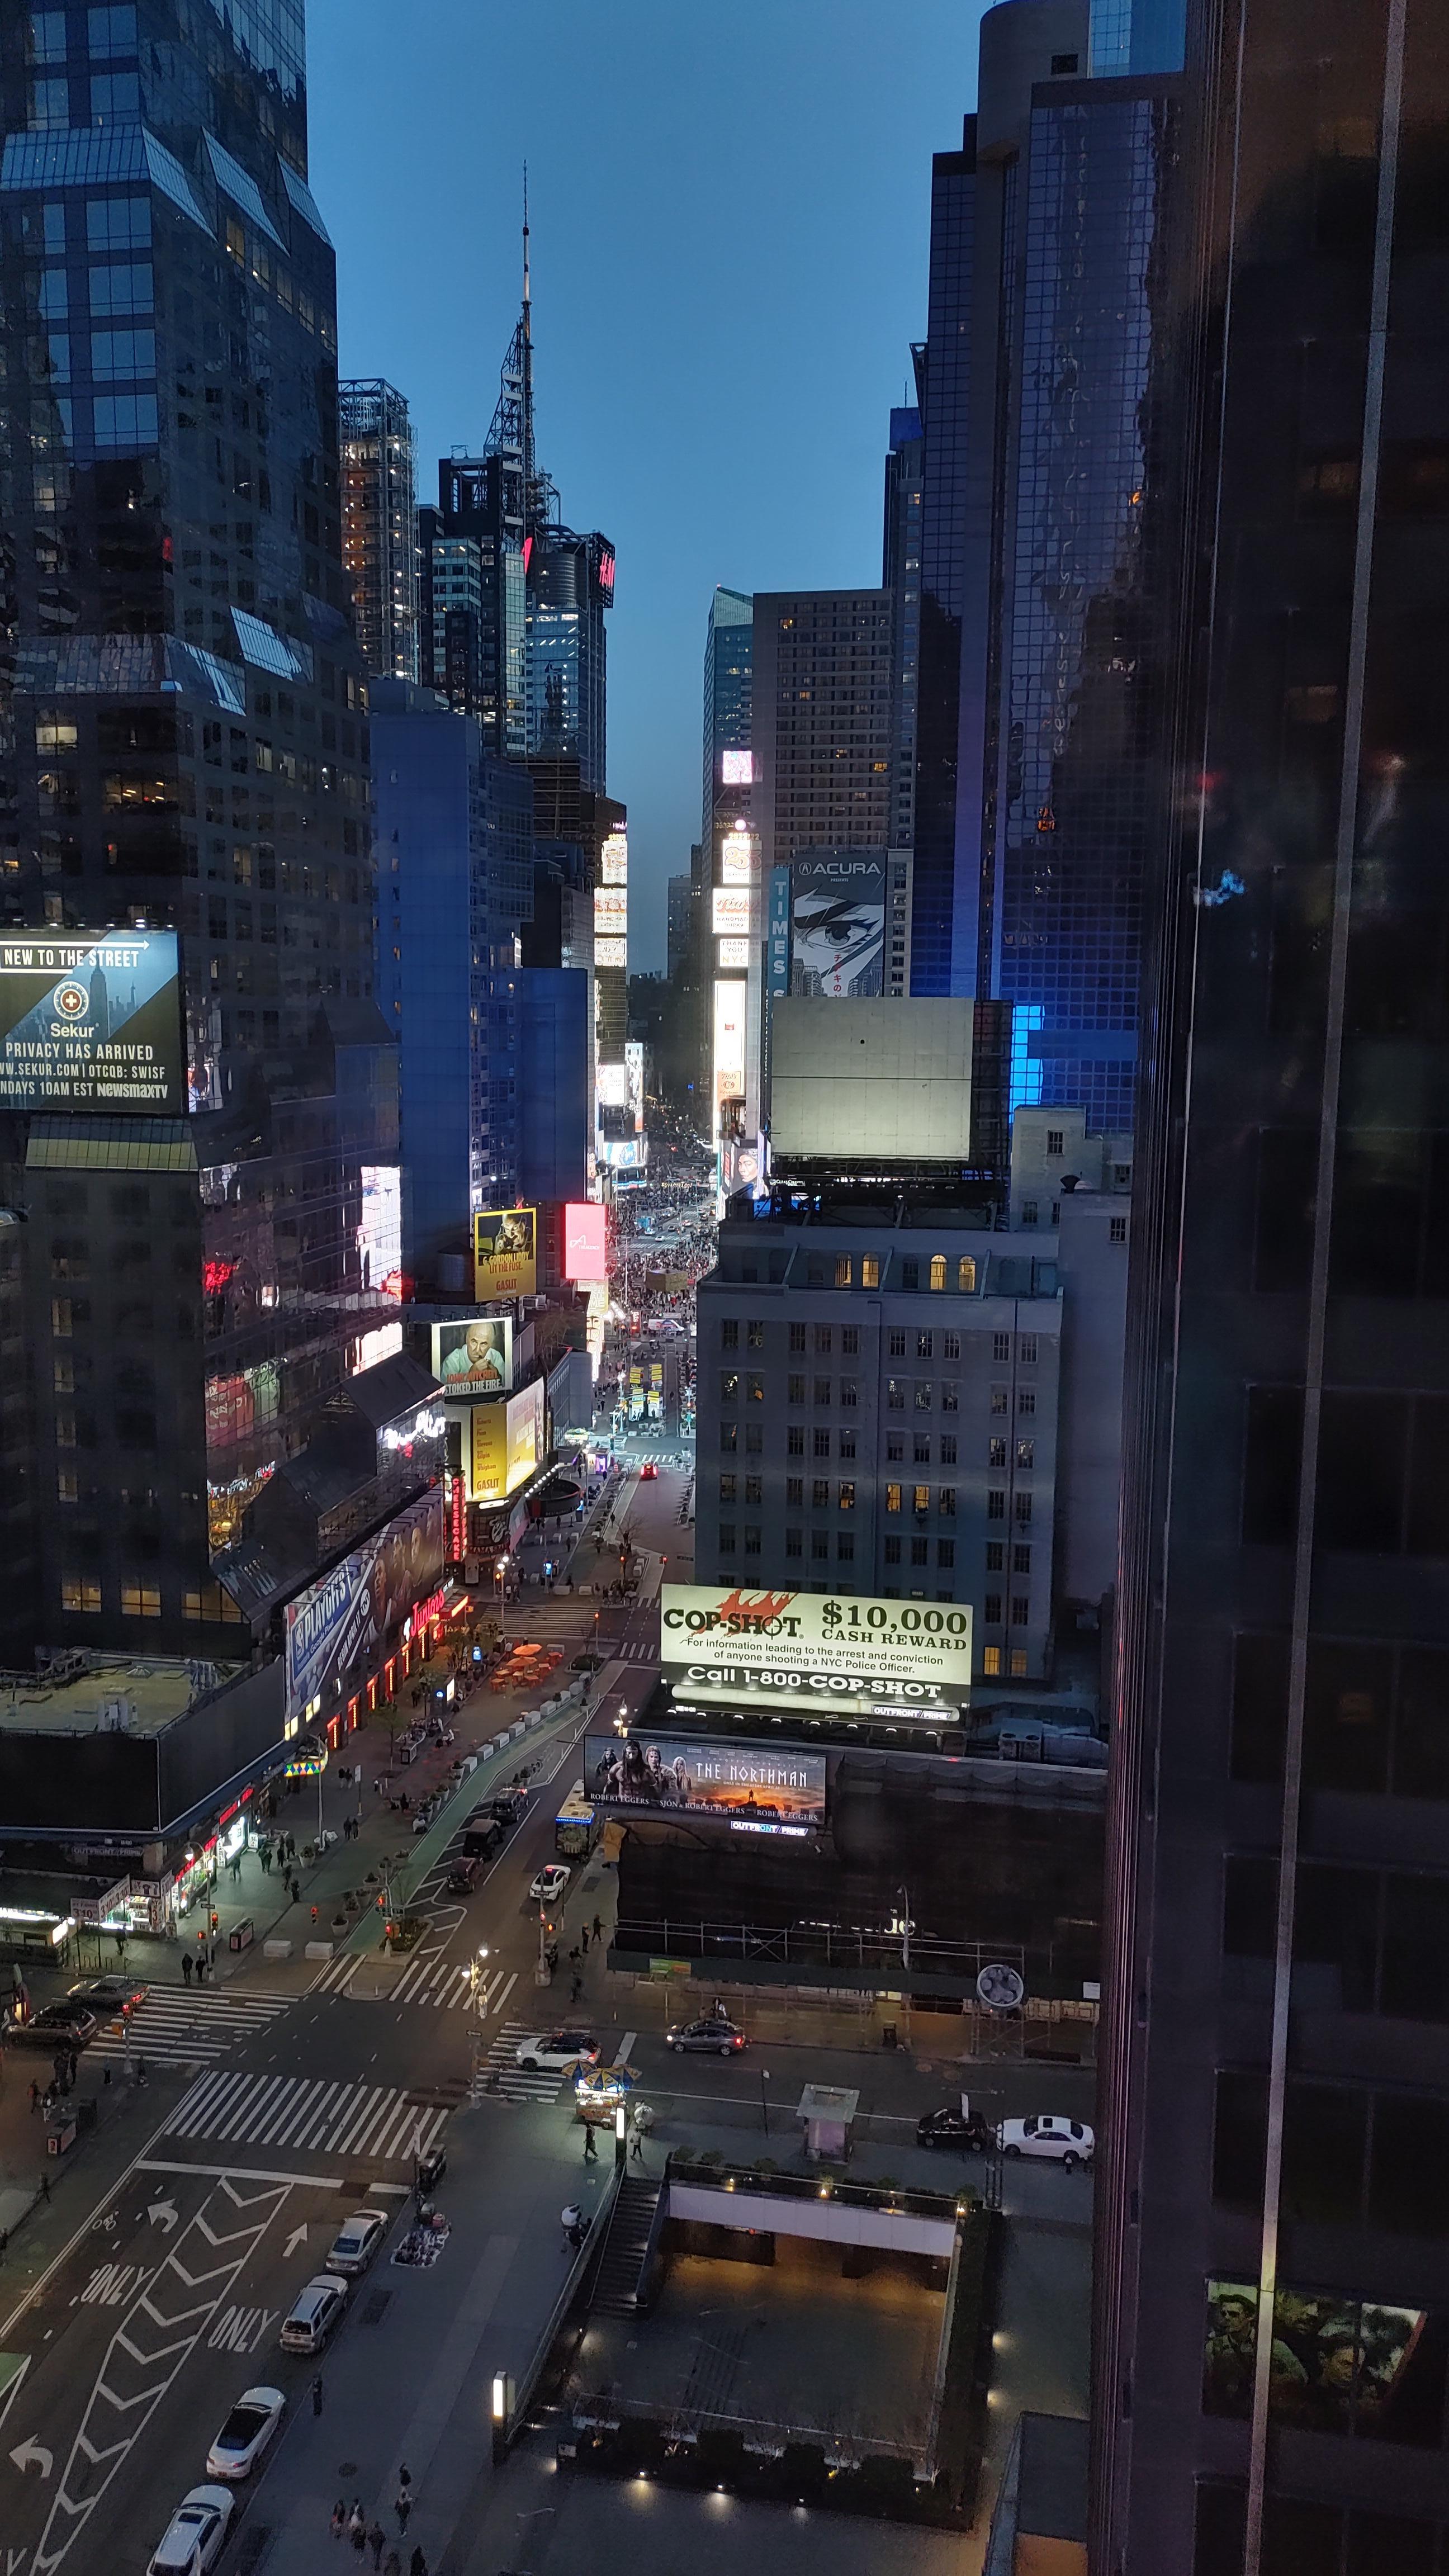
{"points": [[526, 334]]}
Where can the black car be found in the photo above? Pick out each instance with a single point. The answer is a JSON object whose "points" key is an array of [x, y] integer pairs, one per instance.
{"points": [[954, 2128]]}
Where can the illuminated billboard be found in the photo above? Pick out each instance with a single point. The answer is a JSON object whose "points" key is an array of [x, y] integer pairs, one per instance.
{"points": [[730, 996], [474, 1356], [379, 1236], [586, 1256], [337, 1623], [505, 1253], [634, 1080], [92, 1022], [737, 768], [614, 860], [749, 1789], [611, 908], [837, 916], [836, 1633], [506, 1444], [611, 1086], [734, 952], [737, 859], [730, 912], [611, 952]]}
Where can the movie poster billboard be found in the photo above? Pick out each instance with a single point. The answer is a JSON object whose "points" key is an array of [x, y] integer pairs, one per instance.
{"points": [[92, 1021], [506, 1444], [851, 1635], [505, 1253], [747, 1787], [337, 1623], [837, 923], [474, 1355]]}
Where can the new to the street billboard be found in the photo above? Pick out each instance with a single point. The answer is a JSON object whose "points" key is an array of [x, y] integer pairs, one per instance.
{"points": [[505, 1253], [837, 923], [842, 1633], [507, 1443], [474, 1356], [92, 1021], [750, 1789], [335, 1624]]}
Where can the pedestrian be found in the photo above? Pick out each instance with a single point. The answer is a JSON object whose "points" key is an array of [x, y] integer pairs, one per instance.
{"points": [[417, 2564], [34, 2094], [377, 2542], [357, 2526], [404, 2504], [574, 1956], [636, 2145], [598, 1926], [186, 1966], [317, 2394], [339, 2518], [200, 1970], [586, 1941], [591, 2152], [266, 1857]]}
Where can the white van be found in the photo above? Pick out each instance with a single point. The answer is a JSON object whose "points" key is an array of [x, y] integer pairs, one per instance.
{"points": [[314, 2313]]}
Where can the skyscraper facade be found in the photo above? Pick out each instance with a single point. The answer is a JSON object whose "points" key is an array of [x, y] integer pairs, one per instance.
{"points": [[821, 722], [1271, 2354], [186, 720], [569, 584], [379, 511], [901, 575]]}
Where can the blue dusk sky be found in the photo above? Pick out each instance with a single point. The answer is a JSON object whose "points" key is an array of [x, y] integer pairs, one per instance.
{"points": [[729, 211]]}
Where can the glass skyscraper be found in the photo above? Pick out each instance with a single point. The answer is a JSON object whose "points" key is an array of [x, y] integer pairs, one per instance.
{"points": [[1271, 2349], [184, 733], [379, 524]]}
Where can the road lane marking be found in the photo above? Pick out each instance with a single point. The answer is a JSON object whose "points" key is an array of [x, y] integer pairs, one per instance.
{"points": [[246, 2173]]}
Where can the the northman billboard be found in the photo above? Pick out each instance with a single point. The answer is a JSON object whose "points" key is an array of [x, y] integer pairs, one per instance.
{"points": [[91, 1020], [850, 1635]]}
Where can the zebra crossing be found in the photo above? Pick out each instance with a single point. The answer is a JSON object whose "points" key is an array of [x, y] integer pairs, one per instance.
{"points": [[501, 2079], [442, 1985], [305, 2114], [634, 1650], [177, 2026]]}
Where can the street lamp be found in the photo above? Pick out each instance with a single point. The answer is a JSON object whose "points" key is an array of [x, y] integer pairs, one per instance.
{"points": [[475, 1976], [499, 1571], [764, 2100]]}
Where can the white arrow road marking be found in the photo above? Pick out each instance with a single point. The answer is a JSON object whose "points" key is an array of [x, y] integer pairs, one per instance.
{"points": [[33, 2454], [9, 2394], [297, 2237], [159, 2332], [15, 2558], [163, 2214]]}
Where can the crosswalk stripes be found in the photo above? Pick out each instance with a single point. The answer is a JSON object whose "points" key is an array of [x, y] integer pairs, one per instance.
{"points": [[174, 2027], [338, 1974], [634, 1650], [306, 2115], [500, 2078]]}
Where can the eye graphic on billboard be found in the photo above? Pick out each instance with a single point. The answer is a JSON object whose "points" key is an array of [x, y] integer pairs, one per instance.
{"points": [[585, 1255], [474, 1357], [751, 1791], [838, 924], [505, 1253], [91, 1022]]}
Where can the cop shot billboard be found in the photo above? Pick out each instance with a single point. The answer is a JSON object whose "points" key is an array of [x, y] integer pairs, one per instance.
{"points": [[851, 1635], [91, 1021]]}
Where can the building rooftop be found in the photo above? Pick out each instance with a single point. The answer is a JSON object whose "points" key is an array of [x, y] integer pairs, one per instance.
{"points": [[125, 1696]]}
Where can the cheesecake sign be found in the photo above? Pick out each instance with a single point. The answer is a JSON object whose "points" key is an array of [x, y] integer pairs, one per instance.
{"points": [[848, 1634]]}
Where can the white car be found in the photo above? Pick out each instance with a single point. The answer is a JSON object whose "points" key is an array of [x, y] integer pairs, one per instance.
{"points": [[550, 1883], [246, 2433], [1065, 2142], [193, 2536], [556, 2052], [313, 2313], [356, 2242]]}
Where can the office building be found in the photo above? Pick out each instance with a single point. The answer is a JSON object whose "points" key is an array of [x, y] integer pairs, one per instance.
{"points": [[379, 510], [455, 887], [681, 926], [877, 1407], [1271, 2343], [569, 586], [821, 722], [728, 700], [901, 575], [1043, 573]]}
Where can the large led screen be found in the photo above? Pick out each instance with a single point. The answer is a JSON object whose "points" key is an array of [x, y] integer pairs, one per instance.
{"points": [[91, 1022], [745, 1786]]}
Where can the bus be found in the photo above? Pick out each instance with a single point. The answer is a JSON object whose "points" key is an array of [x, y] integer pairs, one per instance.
{"points": [[576, 1826]]}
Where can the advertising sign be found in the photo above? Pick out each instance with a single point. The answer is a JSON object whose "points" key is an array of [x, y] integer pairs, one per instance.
{"points": [[475, 1355], [778, 949], [614, 860], [737, 859], [611, 908], [746, 1787], [737, 768], [506, 1444], [505, 1253], [91, 1021], [851, 1635], [585, 1251], [611, 1086], [730, 912], [336, 1624], [838, 901], [634, 1081], [611, 952], [729, 1043]]}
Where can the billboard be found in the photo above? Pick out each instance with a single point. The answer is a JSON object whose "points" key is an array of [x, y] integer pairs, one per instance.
{"points": [[336, 1624], [729, 1043], [611, 1086], [475, 1355], [737, 769], [611, 952], [506, 1444], [585, 1249], [505, 1253], [634, 1081], [778, 937], [614, 860], [850, 1635], [611, 908], [837, 912], [737, 859], [92, 1021], [748, 1788], [730, 912]]}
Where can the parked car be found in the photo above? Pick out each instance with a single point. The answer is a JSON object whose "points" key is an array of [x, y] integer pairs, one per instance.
{"points": [[57, 2026], [246, 2433], [556, 2052], [952, 2127], [356, 2242], [550, 1883], [1064, 2142], [716, 2038], [112, 1998], [192, 2539], [313, 2313]]}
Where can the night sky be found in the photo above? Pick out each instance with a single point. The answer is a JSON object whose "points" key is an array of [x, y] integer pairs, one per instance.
{"points": [[729, 213]]}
